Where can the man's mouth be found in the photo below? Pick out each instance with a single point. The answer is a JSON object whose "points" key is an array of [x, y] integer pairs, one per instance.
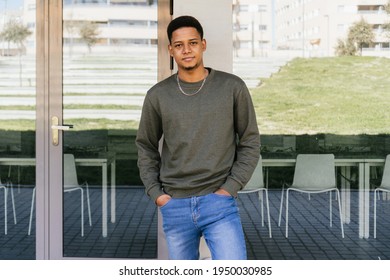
{"points": [[187, 59]]}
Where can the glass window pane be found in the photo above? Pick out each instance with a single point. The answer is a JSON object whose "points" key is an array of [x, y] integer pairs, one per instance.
{"points": [[110, 61], [310, 101], [17, 128]]}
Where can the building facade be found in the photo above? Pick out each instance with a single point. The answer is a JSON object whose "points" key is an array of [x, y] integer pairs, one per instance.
{"points": [[117, 22], [253, 27], [259, 26], [315, 26]]}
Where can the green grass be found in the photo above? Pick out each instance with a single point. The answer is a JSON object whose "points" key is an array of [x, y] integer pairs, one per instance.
{"points": [[79, 124], [17, 125], [103, 106], [342, 95], [78, 106], [96, 124]]}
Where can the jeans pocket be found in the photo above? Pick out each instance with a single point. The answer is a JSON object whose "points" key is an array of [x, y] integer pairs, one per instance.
{"points": [[222, 202], [166, 204], [222, 196]]}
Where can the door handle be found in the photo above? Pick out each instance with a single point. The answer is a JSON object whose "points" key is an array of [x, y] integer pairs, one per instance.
{"points": [[55, 127], [62, 127]]}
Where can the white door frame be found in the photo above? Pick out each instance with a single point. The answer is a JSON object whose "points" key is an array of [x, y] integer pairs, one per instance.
{"points": [[48, 103]]}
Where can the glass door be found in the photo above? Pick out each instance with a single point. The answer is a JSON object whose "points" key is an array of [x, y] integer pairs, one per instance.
{"points": [[109, 56], [72, 85]]}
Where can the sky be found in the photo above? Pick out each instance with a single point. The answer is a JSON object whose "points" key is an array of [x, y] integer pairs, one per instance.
{"points": [[11, 4]]}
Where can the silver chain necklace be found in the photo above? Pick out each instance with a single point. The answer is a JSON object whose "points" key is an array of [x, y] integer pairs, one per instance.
{"points": [[190, 94]]}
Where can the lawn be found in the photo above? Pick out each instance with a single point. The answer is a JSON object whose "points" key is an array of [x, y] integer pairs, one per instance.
{"points": [[341, 95]]}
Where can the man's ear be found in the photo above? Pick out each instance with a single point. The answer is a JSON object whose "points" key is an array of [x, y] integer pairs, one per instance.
{"points": [[204, 43], [170, 50]]}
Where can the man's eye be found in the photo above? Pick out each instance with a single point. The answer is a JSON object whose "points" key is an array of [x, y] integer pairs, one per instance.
{"points": [[178, 46]]}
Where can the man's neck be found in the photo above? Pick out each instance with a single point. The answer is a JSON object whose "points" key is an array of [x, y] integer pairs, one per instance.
{"points": [[194, 75]]}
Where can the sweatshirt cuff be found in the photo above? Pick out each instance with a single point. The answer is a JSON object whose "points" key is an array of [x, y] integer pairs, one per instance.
{"points": [[155, 192], [231, 186]]}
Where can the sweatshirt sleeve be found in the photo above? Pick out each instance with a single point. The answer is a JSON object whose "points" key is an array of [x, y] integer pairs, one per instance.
{"points": [[147, 141], [248, 143]]}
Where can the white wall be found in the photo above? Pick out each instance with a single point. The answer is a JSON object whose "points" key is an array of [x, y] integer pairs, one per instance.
{"points": [[216, 19]]}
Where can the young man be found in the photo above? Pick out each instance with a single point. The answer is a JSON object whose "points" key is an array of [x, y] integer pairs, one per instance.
{"points": [[209, 151]]}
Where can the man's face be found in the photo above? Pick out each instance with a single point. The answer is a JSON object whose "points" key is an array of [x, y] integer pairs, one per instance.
{"points": [[187, 48]]}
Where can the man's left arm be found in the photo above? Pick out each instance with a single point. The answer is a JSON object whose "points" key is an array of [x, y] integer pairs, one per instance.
{"points": [[248, 143]]}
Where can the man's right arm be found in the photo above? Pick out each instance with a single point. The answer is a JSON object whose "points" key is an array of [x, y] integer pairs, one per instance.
{"points": [[147, 141]]}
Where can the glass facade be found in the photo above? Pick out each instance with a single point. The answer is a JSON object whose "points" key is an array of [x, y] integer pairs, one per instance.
{"points": [[103, 90], [315, 105], [109, 63], [17, 130]]}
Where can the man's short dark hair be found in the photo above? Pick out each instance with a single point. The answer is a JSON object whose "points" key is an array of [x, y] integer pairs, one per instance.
{"points": [[184, 21]]}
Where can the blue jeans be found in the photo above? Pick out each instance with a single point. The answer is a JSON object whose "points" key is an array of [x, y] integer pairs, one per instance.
{"points": [[214, 216]]}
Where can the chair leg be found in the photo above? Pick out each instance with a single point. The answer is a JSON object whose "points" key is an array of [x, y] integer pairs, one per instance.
{"points": [[82, 211], [376, 195], [268, 214], [31, 211], [287, 213], [8, 186], [341, 219], [281, 207], [5, 210], [13, 202], [261, 200], [89, 206], [330, 210]]}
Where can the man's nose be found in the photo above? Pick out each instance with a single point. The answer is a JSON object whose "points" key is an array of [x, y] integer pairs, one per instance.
{"points": [[186, 48]]}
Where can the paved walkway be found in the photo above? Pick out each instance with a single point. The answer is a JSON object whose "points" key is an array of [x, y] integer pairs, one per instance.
{"points": [[134, 235]]}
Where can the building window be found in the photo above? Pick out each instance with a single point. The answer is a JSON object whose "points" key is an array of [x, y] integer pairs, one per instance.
{"points": [[370, 9], [244, 8]]}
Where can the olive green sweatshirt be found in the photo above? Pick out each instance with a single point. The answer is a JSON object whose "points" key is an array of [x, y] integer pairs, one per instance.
{"points": [[210, 139]]}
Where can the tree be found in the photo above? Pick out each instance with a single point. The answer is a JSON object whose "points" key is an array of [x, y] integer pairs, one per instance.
{"points": [[345, 48], [17, 33], [387, 7], [361, 33], [88, 32], [386, 26], [71, 27]]}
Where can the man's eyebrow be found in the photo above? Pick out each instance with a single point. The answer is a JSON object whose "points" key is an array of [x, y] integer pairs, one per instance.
{"points": [[193, 39]]}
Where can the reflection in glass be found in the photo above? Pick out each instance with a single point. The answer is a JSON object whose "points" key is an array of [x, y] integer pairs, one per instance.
{"points": [[17, 126], [310, 102], [110, 61]]}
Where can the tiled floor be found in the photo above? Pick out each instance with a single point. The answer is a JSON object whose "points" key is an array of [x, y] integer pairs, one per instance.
{"points": [[134, 235]]}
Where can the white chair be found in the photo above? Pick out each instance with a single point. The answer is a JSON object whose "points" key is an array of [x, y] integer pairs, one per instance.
{"points": [[70, 184], [256, 184], [384, 187], [6, 187], [314, 173]]}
